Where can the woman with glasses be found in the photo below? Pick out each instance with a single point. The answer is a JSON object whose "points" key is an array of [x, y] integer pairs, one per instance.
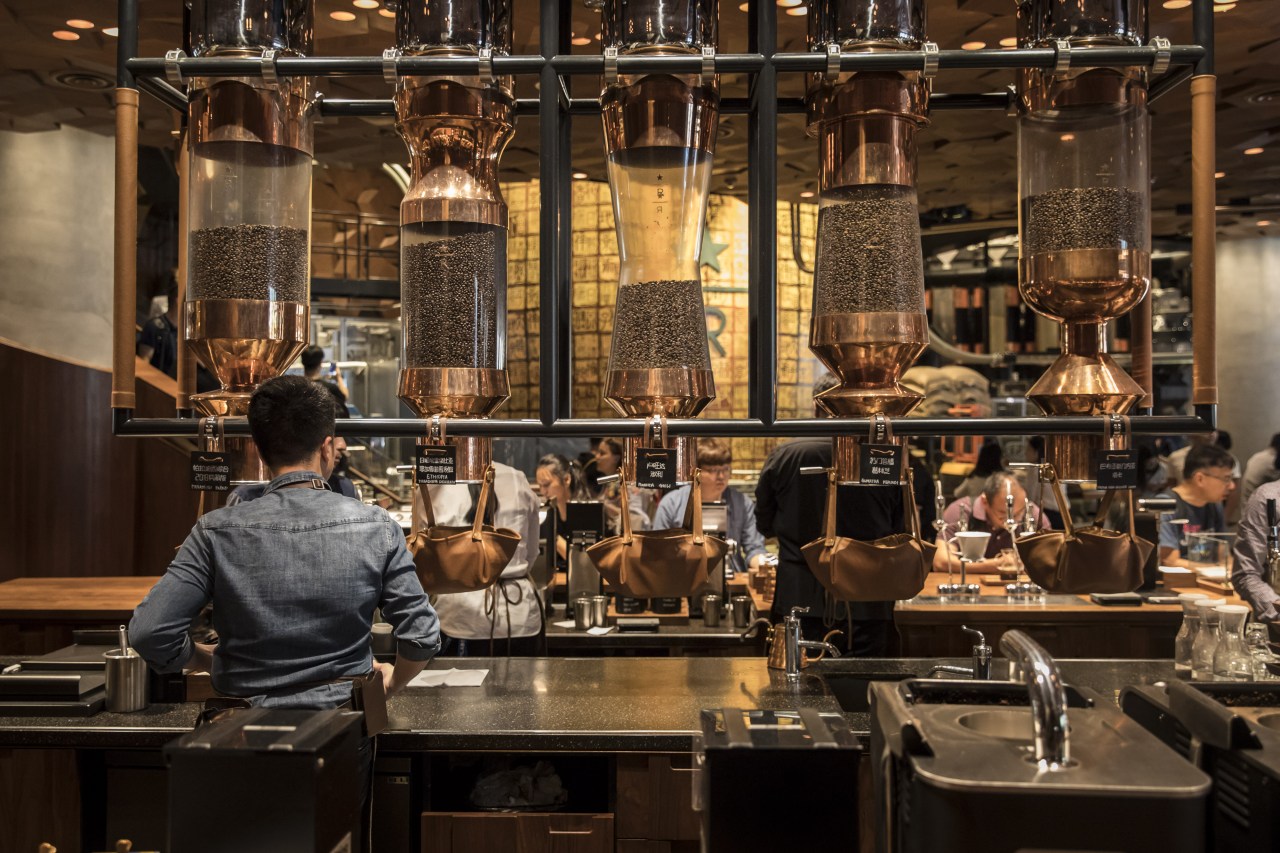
{"points": [[716, 461]]}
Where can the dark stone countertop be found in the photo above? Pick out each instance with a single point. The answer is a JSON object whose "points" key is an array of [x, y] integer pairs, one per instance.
{"points": [[566, 704]]}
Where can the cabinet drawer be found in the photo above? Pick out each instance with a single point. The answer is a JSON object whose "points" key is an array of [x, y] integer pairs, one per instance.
{"points": [[470, 832]]}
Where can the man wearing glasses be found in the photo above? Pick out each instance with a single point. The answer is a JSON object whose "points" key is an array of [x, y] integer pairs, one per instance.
{"points": [[716, 462], [1206, 482]]}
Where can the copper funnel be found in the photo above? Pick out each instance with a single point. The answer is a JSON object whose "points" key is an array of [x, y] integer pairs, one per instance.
{"points": [[869, 352], [677, 392], [454, 392], [245, 342]]}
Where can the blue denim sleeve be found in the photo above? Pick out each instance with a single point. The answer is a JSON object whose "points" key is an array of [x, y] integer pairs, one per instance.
{"points": [[749, 537], [405, 605], [158, 629]]}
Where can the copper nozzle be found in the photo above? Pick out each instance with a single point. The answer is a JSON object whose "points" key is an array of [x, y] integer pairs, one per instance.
{"points": [[869, 352]]}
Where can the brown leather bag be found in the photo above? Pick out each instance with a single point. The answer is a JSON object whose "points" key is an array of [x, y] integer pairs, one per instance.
{"points": [[461, 559], [1085, 559], [671, 563], [892, 568]]}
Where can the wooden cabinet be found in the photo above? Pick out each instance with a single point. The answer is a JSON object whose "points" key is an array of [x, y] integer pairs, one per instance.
{"points": [[470, 832], [655, 798]]}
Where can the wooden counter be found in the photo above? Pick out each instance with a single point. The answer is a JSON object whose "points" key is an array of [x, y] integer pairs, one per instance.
{"points": [[38, 614]]}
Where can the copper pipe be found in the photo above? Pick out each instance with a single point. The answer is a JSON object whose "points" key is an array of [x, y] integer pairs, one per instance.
{"points": [[186, 360], [1140, 346], [1204, 331], [124, 309]]}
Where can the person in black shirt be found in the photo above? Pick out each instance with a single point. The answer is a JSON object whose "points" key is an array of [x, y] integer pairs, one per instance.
{"points": [[158, 341]]}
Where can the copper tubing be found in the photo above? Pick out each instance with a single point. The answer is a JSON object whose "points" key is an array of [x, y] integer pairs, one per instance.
{"points": [[1204, 331], [1140, 346], [124, 310], [186, 361]]}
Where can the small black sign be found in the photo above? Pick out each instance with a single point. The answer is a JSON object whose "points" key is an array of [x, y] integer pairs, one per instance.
{"points": [[656, 468], [436, 465], [211, 471], [1116, 469], [881, 465]]}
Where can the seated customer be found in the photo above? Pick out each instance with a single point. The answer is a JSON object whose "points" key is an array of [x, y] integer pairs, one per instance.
{"points": [[986, 514], [1206, 481], [716, 461]]}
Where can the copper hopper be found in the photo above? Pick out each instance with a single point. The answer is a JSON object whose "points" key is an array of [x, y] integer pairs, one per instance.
{"points": [[1085, 213], [869, 323], [453, 222], [247, 312], [660, 133]]}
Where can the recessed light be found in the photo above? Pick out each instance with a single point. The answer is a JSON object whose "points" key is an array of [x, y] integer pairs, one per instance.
{"points": [[114, 32], [1067, 137], [579, 40], [1176, 4], [386, 13], [1011, 41], [807, 194], [744, 7], [1263, 223], [1252, 151], [973, 45], [1219, 175], [343, 16], [580, 176], [797, 11], [1226, 8], [80, 24], [365, 4], [789, 4], [65, 35]]}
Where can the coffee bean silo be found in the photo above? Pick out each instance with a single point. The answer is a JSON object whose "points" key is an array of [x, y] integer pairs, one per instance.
{"points": [[869, 323], [1085, 208], [249, 216], [660, 134], [453, 220]]}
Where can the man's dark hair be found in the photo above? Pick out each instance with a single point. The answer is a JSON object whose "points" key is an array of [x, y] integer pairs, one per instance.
{"points": [[290, 417], [339, 399], [312, 357], [1204, 456]]}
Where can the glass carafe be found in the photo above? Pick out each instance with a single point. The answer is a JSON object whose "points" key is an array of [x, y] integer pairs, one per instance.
{"points": [[1231, 659], [1186, 632], [1206, 639], [1256, 639]]}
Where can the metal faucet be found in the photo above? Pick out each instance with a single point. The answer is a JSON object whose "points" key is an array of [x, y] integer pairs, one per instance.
{"points": [[795, 646], [1048, 698], [981, 659]]}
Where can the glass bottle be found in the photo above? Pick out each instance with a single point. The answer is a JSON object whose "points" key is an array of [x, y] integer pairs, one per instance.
{"points": [[1206, 639], [1186, 632], [1257, 640], [1231, 658]]}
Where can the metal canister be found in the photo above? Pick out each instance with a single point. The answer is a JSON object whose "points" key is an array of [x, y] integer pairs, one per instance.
{"points": [[599, 611], [741, 605], [711, 610], [126, 681], [582, 613]]}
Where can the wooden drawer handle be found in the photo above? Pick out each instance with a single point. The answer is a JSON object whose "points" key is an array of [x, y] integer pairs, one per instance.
{"points": [[571, 832]]}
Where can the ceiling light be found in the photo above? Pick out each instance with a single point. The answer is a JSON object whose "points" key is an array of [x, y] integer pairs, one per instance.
{"points": [[365, 4], [807, 194], [114, 32], [1263, 223], [744, 7], [1176, 4], [1252, 151], [789, 4], [65, 35], [343, 16], [386, 13], [1011, 41], [1067, 137], [80, 24], [1219, 175], [797, 11], [579, 40], [1226, 8], [973, 45], [580, 176]]}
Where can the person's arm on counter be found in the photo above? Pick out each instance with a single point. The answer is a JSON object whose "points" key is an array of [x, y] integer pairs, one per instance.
{"points": [[749, 537], [159, 627], [406, 607], [1170, 542], [1249, 572]]}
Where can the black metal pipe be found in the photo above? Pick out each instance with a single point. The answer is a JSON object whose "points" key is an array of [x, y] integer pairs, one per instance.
{"points": [[762, 221], [1038, 57], [944, 101], [335, 66], [554, 365], [1202, 32], [1169, 82], [126, 42], [124, 425], [342, 107], [163, 92], [725, 63]]}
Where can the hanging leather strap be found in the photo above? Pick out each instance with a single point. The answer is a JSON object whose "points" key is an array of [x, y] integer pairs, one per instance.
{"points": [[829, 526], [425, 491], [625, 501], [486, 491], [909, 503], [693, 508], [1064, 508]]}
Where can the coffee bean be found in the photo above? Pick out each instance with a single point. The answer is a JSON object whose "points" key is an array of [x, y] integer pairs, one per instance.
{"points": [[1083, 218], [450, 299], [660, 324], [250, 262], [869, 255]]}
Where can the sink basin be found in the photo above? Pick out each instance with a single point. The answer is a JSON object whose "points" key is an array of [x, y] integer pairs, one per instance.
{"points": [[1008, 725], [937, 691], [1271, 721], [850, 689]]}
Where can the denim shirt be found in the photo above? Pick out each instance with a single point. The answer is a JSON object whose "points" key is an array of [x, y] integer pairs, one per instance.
{"points": [[294, 578]]}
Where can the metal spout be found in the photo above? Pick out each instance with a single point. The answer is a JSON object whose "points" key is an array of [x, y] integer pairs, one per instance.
{"points": [[1048, 698]]}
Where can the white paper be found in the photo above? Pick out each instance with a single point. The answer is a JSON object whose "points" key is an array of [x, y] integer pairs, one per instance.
{"points": [[449, 678], [600, 632]]}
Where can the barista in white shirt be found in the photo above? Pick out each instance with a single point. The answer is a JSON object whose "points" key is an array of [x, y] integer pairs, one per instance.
{"points": [[506, 618]]}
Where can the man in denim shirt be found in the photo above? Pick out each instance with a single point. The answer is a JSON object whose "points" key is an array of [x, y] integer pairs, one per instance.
{"points": [[294, 576]]}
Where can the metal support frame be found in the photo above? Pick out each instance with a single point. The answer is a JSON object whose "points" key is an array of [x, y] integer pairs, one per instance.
{"points": [[555, 111]]}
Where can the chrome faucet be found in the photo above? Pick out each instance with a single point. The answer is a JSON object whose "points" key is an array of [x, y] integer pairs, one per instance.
{"points": [[795, 646], [1048, 698], [981, 668]]}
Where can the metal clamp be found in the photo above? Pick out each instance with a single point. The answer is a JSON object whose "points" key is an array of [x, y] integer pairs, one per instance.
{"points": [[1062, 57], [486, 63], [1164, 55], [708, 63], [211, 432], [437, 429], [931, 53], [172, 71], [390, 72], [611, 65], [655, 434], [268, 64], [833, 61], [881, 431], [1116, 431]]}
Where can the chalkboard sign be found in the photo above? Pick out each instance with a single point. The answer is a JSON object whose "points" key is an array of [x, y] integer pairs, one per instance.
{"points": [[436, 465], [211, 471], [881, 465], [656, 468], [1116, 469]]}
